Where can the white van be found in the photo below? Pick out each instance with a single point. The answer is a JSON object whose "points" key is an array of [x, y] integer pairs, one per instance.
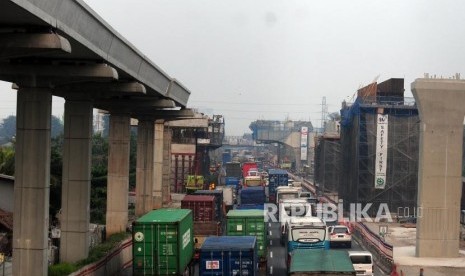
{"points": [[362, 262]]}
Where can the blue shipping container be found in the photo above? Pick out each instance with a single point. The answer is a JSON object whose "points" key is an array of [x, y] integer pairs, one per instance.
{"points": [[232, 181], [252, 195], [250, 206], [228, 256], [226, 157], [276, 178]]}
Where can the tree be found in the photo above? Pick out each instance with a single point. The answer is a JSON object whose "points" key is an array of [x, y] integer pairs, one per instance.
{"points": [[7, 129], [132, 159], [98, 193], [335, 116], [7, 160], [56, 172], [56, 126]]}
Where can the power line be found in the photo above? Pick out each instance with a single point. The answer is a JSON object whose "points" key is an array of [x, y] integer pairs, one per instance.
{"points": [[255, 103]]}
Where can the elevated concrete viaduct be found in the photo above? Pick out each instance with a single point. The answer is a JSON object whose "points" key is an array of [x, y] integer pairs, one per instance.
{"points": [[63, 48], [440, 104], [287, 134]]}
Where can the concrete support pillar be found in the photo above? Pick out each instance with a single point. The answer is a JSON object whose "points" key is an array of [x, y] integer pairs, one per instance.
{"points": [[75, 195], [441, 108], [166, 186], [144, 167], [32, 181], [118, 174], [158, 165]]}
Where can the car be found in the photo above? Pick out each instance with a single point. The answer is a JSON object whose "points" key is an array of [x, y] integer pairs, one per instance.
{"points": [[340, 235], [362, 262]]}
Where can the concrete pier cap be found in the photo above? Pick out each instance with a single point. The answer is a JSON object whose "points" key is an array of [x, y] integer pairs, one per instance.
{"points": [[441, 108]]}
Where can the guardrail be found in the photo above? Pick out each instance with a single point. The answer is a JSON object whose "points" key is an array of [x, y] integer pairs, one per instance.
{"points": [[382, 251]]}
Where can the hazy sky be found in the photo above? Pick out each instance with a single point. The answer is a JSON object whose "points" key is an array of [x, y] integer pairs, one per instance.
{"points": [[270, 59]]}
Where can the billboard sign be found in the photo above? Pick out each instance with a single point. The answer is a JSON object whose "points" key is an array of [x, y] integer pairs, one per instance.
{"points": [[303, 143], [381, 151]]}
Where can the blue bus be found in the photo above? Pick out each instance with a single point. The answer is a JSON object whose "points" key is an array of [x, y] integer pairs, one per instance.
{"points": [[306, 233]]}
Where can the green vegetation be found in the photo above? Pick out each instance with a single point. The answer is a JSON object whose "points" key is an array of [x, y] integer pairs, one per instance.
{"points": [[99, 251], [98, 192], [96, 253], [7, 160], [8, 128], [61, 269]]}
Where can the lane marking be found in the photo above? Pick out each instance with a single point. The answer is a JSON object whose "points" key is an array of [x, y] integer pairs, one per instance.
{"points": [[271, 242], [271, 234], [269, 224], [271, 269], [271, 254]]}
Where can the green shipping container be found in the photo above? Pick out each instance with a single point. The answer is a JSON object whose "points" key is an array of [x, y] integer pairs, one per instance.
{"points": [[320, 262], [249, 223], [163, 242]]}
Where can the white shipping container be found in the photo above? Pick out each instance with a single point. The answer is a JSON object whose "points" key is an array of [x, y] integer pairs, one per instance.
{"points": [[227, 194]]}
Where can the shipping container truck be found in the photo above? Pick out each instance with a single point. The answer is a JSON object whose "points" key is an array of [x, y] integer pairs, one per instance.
{"points": [[317, 262], [252, 195], [194, 183], [163, 243], [202, 230], [226, 157], [232, 181], [249, 223], [253, 181], [228, 194], [233, 169], [202, 206], [276, 178], [250, 206], [219, 207], [247, 166], [229, 256]]}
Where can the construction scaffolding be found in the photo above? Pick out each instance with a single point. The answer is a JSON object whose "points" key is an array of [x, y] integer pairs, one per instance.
{"points": [[328, 163], [358, 141]]}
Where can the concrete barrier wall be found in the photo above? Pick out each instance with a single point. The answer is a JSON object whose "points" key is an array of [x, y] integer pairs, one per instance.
{"points": [[382, 251], [369, 236], [117, 260]]}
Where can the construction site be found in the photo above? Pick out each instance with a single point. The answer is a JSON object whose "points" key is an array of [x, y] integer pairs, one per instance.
{"points": [[375, 159], [328, 157]]}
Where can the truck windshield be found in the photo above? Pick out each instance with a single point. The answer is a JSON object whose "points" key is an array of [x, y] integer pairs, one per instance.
{"points": [[360, 259], [287, 196], [309, 234], [296, 210]]}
